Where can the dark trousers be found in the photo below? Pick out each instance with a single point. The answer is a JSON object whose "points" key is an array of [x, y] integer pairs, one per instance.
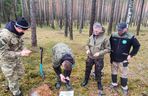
{"points": [[99, 64]]}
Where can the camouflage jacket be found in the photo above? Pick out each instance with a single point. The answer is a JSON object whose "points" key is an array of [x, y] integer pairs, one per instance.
{"points": [[98, 44], [58, 51], [10, 46]]}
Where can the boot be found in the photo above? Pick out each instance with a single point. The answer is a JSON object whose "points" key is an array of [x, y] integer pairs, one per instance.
{"points": [[68, 86], [58, 85], [21, 94]]}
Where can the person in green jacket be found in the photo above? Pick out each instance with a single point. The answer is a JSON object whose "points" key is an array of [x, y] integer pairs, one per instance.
{"points": [[98, 45]]}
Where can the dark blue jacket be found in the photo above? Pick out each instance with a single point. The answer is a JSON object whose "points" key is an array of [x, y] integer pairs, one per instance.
{"points": [[121, 46]]}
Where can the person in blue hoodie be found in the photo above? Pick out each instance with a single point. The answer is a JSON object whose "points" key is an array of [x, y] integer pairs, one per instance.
{"points": [[11, 49]]}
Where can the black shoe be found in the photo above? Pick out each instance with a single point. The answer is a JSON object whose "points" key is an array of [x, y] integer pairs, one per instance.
{"points": [[112, 86], [58, 85], [84, 83], [68, 86], [21, 94]]}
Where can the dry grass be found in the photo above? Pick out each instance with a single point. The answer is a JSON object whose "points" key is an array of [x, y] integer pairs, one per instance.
{"points": [[138, 67]]}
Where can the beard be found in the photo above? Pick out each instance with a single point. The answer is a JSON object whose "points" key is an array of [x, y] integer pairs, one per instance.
{"points": [[121, 33]]}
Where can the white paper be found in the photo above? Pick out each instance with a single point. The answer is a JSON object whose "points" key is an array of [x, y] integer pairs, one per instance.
{"points": [[66, 93]]}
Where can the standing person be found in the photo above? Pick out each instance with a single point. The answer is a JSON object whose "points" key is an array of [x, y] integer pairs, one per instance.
{"points": [[11, 49], [121, 43], [62, 57], [97, 46]]}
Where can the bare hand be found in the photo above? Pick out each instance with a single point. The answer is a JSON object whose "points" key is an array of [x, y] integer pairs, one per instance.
{"points": [[68, 78], [88, 52], [25, 52], [62, 77], [96, 54], [129, 57]]}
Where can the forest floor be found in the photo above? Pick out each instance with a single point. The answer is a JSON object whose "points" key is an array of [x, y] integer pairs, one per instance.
{"points": [[46, 38]]}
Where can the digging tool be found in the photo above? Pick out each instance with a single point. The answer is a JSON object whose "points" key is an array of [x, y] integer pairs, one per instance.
{"points": [[42, 73]]}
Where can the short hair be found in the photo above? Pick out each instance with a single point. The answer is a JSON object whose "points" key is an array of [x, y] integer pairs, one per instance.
{"points": [[67, 65], [97, 25]]}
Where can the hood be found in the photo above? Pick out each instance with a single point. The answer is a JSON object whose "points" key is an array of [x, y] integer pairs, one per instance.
{"points": [[10, 26], [69, 58]]}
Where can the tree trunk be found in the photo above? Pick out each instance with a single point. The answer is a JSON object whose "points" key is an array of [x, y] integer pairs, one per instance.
{"points": [[70, 19], [116, 13], [103, 14], [53, 14], [61, 15], [93, 13], [129, 14], [66, 19], [82, 16], [100, 11], [111, 18], [54, 8], [140, 17], [25, 10], [47, 11], [1, 12], [15, 9], [33, 23], [78, 14]]}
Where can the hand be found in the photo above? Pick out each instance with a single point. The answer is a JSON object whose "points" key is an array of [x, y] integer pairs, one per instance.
{"points": [[88, 52], [67, 79], [96, 54], [62, 77], [25, 52], [129, 57]]}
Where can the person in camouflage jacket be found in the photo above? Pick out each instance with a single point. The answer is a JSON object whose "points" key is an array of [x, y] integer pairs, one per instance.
{"points": [[11, 49], [62, 56]]}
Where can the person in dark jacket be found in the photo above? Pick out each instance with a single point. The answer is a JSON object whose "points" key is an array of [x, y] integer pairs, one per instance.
{"points": [[62, 58], [121, 44]]}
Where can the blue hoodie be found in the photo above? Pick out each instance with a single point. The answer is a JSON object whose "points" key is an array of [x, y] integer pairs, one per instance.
{"points": [[10, 26]]}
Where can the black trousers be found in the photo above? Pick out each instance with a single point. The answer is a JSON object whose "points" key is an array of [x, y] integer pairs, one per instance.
{"points": [[99, 64]]}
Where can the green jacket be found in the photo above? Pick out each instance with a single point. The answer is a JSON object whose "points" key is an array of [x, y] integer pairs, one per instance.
{"points": [[98, 44]]}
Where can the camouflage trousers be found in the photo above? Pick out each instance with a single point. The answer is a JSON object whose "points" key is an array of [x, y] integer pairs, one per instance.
{"points": [[122, 67], [12, 71]]}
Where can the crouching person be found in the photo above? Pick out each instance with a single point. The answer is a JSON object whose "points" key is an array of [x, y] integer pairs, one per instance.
{"points": [[62, 58], [97, 46]]}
